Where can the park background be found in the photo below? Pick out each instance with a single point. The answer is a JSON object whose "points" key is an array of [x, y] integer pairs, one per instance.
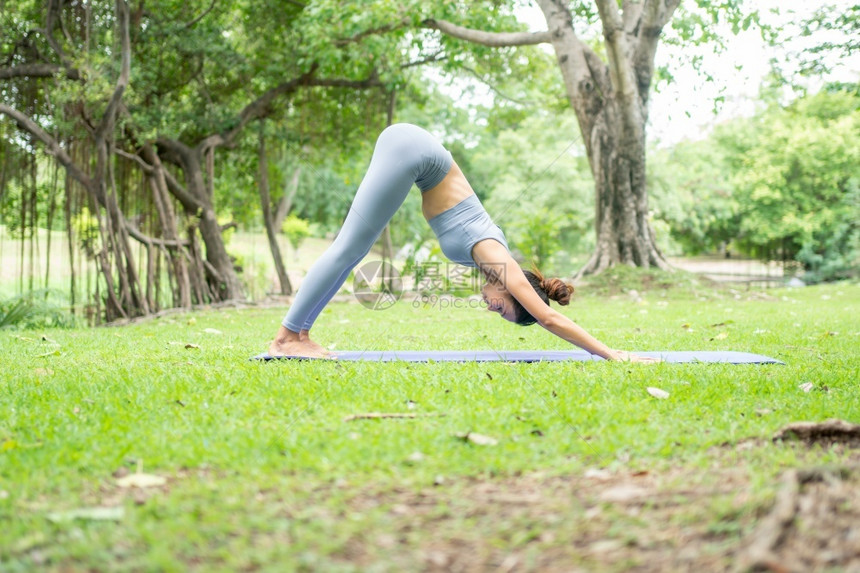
{"points": [[169, 170], [212, 174]]}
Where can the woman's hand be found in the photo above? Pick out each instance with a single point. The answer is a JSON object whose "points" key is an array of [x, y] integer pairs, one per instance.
{"points": [[624, 356]]}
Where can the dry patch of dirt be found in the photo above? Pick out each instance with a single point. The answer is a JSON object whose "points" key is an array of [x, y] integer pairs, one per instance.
{"points": [[675, 520]]}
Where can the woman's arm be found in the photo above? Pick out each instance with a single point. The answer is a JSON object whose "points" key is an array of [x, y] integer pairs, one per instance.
{"points": [[496, 258], [518, 286]]}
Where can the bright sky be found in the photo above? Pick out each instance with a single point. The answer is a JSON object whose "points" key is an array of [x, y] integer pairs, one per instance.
{"points": [[685, 109]]}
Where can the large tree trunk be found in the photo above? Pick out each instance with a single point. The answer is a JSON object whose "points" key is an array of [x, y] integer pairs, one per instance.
{"points": [[611, 114], [623, 233]]}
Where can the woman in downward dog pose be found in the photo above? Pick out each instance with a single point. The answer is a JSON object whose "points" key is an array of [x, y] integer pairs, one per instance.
{"points": [[406, 154]]}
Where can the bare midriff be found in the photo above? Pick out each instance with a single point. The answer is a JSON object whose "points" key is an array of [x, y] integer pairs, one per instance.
{"points": [[449, 192]]}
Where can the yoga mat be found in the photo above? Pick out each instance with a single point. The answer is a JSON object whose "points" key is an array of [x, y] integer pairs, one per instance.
{"points": [[683, 357]]}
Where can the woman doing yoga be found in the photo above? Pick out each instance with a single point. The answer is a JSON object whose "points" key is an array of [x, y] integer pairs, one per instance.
{"points": [[406, 154]]}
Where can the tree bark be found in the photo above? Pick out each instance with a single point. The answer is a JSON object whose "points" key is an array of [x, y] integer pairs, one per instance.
{"points": [[224, 283], [269, 217], [167, 216]]}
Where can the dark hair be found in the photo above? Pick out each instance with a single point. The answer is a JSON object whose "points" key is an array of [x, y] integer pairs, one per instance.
{"points": [[547, 289]]}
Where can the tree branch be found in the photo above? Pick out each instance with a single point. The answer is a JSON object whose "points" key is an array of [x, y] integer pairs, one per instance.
{"points": [[491, 39], [53, 7], [436, 57], [38, 71], [200, 17], [135, 233], [54, 148], [631, 14], [260, 106], [254, 110], [188, 202], [378, 30], [620, 66], [655, 15], [186, 156], [147, 168], [109, 117]]}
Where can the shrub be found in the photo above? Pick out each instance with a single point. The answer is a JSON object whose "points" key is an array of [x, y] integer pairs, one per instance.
{"points": [[34, 310]]}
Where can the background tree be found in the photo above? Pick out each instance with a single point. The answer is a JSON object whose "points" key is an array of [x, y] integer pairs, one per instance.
{"points": [[200, 77], [796, 173], [608, 84]]}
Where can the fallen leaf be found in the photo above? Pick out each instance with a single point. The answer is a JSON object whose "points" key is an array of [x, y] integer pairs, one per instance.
{"points": [[212, 331], [657, 393], [606, 545], [92, 513], [478, 439], [623, 494], [415, 457], [46, 339], [141, 480], [686, 326], [722, 336], [806, 386], [43, 371], [598, 474], [189, 345]]}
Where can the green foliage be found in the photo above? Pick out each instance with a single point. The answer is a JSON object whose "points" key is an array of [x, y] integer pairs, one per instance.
{"points": [[834, 31], [691, 192], [296, 229], [781, 185], [37, 309], [539, 186], [85, 227], [796, 173], [537, 236]]}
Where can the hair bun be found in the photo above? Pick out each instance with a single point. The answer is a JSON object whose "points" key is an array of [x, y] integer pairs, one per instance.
{"points": [[557, 290]]}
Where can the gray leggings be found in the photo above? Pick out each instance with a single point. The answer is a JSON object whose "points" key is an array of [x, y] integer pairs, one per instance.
{"points": [[404, 154]]}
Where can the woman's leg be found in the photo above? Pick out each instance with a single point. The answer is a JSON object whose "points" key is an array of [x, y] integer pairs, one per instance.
{"points": [[403, 155]]}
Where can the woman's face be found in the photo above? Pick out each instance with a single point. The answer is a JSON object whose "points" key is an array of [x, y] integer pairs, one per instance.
{"points": [[499, 300]]}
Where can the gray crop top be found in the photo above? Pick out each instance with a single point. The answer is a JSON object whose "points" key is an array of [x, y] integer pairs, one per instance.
{"points": [[463, 225]]}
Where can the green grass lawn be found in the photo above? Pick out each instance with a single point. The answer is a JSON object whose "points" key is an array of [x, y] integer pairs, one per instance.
{"points": [[263, 472]]}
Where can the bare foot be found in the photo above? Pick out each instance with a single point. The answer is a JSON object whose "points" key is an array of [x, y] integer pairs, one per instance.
{"points": [[298, 348], [289, 343], [305, 338]]}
